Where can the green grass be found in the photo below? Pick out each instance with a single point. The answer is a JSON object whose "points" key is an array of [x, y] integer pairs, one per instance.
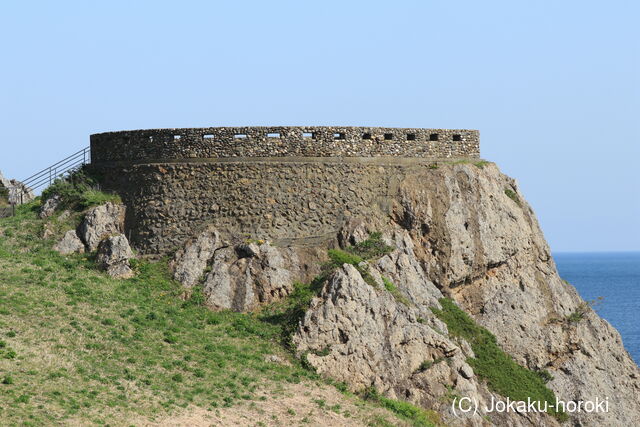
{"points": [[91, 198], [78, 346], [389, 286], [339, 257], [416, 416], [75, 344], [502, 373], [78, 191], [285, 315]]}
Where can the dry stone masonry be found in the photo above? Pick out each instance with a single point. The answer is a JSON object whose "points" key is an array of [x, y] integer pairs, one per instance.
{"points": [[162, 144], [281, 183]]}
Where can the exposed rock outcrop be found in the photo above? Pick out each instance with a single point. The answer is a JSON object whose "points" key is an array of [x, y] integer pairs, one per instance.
{"points": [[460, 230], [113, 256], [191, 261], [242, 276], [49, 206], [364, 336], [479, 241], [69, 244], [15, 191], [101, 222]]}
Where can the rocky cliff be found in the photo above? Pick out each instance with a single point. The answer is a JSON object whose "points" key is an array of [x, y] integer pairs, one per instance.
{"points": [[458, 231]]}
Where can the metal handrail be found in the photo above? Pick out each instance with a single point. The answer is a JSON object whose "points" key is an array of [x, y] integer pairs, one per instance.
{"points": [[45, 177], [57, 170]]}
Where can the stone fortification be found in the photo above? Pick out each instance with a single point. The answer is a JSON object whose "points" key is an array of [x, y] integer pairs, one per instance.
{"points": [[283, 142], [284, 183]]}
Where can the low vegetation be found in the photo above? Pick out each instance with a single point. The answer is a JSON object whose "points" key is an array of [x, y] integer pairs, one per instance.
{"points": [[429, 363], [502, 373], [78, 190], [513, 196], [583, 308], [79, 347], [4, 196], [389, 286], [417, 416], [371, 248]]}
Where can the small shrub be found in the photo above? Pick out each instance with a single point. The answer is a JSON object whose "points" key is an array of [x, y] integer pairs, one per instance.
{"points": [[8, 380], [371, 248], [23, 398], [513, 196], [582, 310], [170, 339], [339, 257], [197, 298], [429, 363], [78, 190]]}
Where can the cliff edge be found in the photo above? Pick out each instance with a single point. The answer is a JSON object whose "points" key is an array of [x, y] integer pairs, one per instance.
{"points": [[461, 239]]}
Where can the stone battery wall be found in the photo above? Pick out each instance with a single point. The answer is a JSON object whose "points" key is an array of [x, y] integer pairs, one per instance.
{"points": [[282, 142], [296, 187]]}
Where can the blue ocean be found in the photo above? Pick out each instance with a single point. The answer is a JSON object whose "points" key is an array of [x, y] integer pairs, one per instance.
{"points": [[615, 276]]}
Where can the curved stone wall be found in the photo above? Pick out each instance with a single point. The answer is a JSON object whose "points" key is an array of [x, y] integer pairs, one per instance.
{"points": [[283, 184], [222, 142]]}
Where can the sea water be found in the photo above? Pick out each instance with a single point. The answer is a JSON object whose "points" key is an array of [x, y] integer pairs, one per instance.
{"points": [[615, 276]]}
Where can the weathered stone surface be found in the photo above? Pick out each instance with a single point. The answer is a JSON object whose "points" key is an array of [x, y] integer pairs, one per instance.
{"points": [[14, 192], [486, 250], [363, 336], [100, 222], [242, 276], [240, 282], [113, 256], [49, 206], [69, 244], [285, 188], [191, 261]]}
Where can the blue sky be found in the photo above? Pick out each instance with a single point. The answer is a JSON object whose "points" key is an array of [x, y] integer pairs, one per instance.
{"points": [[553, 86]]}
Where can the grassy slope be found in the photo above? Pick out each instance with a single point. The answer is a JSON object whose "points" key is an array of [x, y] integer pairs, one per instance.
{"points": [[491, 363], [77, 345]]}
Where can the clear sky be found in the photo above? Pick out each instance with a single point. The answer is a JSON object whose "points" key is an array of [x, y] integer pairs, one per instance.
{"points": [[553, 86]]}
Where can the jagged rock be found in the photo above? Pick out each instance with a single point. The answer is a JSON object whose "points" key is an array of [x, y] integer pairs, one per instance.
{"points": [[240, 282], [247, 250], [113, 256], [69, 244], [486, 250], [16, 192], [49, 206], [190, 262], [353, 232], [242, 276], [360, 334], [100, 222]]}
